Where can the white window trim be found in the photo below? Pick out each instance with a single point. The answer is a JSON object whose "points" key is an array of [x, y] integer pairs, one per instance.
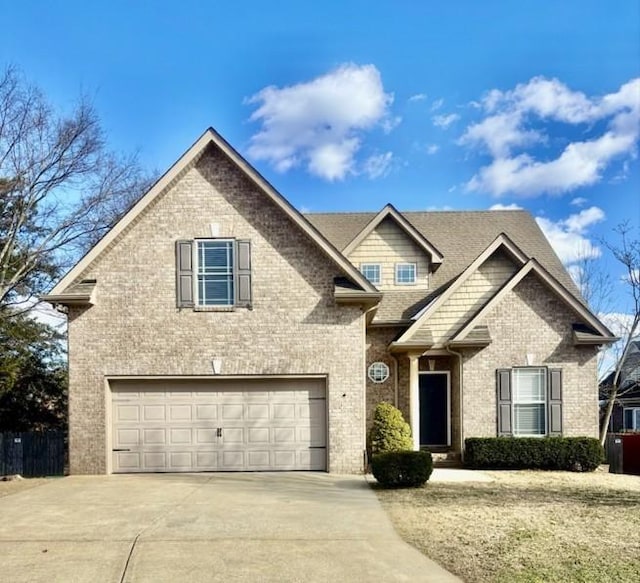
{"points": [[544, 402], [636, 426], [196, 295], [379, 364], [378, 265], [415, 273]]}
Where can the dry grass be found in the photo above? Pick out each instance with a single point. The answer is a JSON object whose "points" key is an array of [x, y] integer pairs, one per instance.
{"points": [[18, 485], [526, 526]]}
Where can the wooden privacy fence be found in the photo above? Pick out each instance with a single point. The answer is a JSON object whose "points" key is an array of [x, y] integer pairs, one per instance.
{"points": [[32, 454], [622, 452]]}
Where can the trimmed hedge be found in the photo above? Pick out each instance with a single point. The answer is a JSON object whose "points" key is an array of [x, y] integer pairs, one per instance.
{"points": [[389, 432], [575, 454], [402, 469]]}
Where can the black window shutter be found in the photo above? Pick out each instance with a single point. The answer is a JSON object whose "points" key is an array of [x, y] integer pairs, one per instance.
{"points": [[555, 402], [242, 273], [184, 274], [503, 390]]}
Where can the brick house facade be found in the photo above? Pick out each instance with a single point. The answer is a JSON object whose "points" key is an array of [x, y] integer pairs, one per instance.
{"points": [[282, 380]]}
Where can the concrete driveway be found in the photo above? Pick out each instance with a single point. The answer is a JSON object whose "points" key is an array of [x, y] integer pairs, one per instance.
{"points": [[281, 527]]}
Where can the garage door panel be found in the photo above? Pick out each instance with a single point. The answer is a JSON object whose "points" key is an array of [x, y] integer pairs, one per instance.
{"points": [[206, 412], [206, 436], [174, 429], [206, 460], [233, 435], [180, 412], [180, 461], [284, 411], [154, 437], [260, 411], [127, 438], [153, 412], [127, 413], [284, 435], [180, 436], [258, 435], [232, 412], [154, 460]]}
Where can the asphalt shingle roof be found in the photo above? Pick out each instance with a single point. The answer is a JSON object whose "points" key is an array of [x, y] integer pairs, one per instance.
{"points": [[460, 236]]}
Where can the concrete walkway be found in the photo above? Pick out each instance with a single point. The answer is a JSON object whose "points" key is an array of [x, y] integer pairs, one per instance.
{"points": [[270, 527]]}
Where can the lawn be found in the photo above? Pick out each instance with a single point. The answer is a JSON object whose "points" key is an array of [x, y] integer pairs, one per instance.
{"points": [[526, 526]]}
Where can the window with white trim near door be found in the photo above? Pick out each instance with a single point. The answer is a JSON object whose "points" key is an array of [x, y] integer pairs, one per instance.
{"points": [[529, 401], [529, 386]]}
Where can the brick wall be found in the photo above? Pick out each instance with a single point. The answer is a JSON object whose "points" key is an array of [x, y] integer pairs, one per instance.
{"points": [[531, 319], [136, 329]]}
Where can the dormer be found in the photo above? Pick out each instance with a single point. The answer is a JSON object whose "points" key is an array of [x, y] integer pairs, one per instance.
{"points": [[392, 254]]}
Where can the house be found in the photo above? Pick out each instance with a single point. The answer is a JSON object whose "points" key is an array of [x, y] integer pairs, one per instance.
{"points": [[217, 328], [626, 409]]}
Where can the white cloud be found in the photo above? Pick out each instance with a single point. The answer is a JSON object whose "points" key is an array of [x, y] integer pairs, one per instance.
{"points": [[418, 97], [505, 207], [378, 165], [438, 209], [579, 201], [568, 237], [320, 124], [507, 133], [444, 121], [432, 149], [437, 104]]}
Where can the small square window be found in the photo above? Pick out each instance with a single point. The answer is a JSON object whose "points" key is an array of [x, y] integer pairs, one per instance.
{"points": [[372, 272], [406, 273]]}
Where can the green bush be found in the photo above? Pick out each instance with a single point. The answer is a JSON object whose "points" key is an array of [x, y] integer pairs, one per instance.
{"points": [[390, 432], [575, 454], [402, 469]]}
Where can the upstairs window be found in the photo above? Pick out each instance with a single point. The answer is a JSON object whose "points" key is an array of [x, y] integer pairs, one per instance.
{"points": [[372, 272], [215, 273], [406, 273]]}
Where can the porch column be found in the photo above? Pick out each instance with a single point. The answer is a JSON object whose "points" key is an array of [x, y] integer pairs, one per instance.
{"points": [[414, 400]]}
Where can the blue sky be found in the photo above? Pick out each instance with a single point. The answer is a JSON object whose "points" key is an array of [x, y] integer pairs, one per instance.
{"points": [[350, 105]]}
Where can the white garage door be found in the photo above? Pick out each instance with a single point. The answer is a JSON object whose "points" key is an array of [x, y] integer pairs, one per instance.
{"points": [[221, 425]]}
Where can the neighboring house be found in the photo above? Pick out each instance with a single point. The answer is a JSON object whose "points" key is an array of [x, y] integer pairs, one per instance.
{"points": [[216, 328], [626, 410]]}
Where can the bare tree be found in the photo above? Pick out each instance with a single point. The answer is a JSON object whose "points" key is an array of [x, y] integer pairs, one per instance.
{"points": [[60, 188], [627, 253]]}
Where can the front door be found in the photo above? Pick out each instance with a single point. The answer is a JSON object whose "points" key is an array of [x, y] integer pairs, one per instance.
{"points": [[434, 409]]}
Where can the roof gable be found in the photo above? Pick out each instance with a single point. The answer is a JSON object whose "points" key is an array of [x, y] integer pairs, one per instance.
{"points": [[533, 267], [503, 243], [390, 212], [168, 179]]}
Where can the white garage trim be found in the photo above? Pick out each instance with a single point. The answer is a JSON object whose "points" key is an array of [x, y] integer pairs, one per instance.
{"points": [[189, 424]]}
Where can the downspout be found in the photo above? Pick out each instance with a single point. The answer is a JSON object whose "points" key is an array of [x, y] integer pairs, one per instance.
{"points": [[460, 397], [396, 380]]}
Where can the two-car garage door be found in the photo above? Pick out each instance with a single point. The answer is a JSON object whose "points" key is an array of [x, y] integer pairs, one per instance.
{"points": [[218, 425]]}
